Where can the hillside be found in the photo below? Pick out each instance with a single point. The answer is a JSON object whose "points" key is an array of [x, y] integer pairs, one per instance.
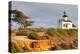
{"points": [[43, 39]]}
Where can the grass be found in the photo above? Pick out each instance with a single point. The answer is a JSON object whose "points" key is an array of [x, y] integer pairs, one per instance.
{"points": [[59, 34]]}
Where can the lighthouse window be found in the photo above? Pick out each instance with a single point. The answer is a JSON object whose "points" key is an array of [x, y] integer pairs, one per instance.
{"points": [[65, 25]]}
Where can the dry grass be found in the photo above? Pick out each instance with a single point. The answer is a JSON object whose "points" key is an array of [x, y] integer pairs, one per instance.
{"points": [[58, 39]]}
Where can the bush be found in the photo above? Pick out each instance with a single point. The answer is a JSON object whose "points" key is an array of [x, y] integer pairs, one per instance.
{"points": [[14, 49], [22, 32], [32, 36]]}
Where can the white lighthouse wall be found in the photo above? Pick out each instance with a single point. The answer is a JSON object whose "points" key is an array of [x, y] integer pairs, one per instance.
{"points": [[65, 18], [69, 25]]}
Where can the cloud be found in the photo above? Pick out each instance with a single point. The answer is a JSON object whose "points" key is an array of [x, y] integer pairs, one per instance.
{"points": [[44, 14]]}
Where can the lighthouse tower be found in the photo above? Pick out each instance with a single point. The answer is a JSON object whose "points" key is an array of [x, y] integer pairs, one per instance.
{"points": [[65, 22]]}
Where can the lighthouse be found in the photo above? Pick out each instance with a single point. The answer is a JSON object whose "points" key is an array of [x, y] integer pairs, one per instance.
{"points": [[65, 22]]}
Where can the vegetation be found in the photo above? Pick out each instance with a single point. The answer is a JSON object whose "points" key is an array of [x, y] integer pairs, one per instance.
{"points": [[62, 38], [50, 32], [14, 49], [20, 18], [61, 32]]}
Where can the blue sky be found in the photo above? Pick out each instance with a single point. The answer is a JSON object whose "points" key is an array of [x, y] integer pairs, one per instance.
{"points": [[46, 14]]}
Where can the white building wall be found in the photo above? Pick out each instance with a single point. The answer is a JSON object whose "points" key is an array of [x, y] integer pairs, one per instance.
{"points": [[69, 25]]}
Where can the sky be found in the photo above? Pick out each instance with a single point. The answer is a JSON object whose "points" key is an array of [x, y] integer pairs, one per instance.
{"points": [[46, 14]]}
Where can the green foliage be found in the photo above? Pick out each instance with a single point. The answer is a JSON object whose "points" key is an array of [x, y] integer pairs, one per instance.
{"points": [[20, 18], [23, 32], [20, 33], [32, 36], [51, 32], [61, 32], [14, 49]]}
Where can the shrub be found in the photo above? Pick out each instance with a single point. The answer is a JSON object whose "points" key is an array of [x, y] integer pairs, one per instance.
{"points": [[14, 49], [32, 36]]}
